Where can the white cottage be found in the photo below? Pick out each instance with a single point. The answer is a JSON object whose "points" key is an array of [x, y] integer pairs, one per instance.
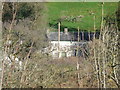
{"points": [[66, 46]]}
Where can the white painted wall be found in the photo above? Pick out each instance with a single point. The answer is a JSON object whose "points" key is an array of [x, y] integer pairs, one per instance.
{"points": [[65, 46]]}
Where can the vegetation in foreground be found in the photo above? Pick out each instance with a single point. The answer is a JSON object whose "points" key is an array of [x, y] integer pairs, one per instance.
{"points": [[25, 66]]}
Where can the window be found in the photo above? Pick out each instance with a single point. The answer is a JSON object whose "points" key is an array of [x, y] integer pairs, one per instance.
{"points": [[64, 54]]}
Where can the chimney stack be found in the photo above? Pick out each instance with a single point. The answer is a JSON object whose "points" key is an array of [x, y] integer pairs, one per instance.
{"points": [[66, 31]]}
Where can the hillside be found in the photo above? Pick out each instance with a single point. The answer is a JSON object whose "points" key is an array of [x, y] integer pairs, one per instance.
{"points": [[57, 11]]}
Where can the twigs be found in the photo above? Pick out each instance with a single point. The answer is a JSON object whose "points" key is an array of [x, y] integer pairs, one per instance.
{"points": [[25, 65], [7, 47]]}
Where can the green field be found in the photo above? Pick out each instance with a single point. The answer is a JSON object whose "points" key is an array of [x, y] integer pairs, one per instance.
{"points": [[73, 9]]}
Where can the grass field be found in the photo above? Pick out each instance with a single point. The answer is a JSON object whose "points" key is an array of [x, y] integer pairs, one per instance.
{"points": [[73, 9]]}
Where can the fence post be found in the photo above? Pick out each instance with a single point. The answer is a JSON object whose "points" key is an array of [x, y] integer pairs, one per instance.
{"points": [[59, 39], [78, 75], [82, 35]]}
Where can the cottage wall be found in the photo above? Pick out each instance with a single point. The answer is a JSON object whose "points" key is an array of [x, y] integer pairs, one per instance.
{"points": [[66, 48]]}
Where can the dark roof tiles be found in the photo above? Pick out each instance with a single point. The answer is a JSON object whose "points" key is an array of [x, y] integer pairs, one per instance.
{"points": [[72, 36]]}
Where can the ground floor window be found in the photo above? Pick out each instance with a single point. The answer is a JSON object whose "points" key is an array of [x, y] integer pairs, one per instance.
{"points": [[64, 54]]}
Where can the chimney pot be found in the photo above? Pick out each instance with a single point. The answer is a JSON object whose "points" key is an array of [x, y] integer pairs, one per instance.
{"points": [[66, 30]]}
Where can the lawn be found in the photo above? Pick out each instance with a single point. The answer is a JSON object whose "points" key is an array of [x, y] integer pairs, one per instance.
{"points": [[73, 9]]}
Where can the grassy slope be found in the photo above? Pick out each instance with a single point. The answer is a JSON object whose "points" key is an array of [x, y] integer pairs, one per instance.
{"points": [[56, 10]]}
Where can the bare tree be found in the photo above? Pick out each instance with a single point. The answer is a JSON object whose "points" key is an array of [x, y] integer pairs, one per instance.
{"points": [[25, 35]]}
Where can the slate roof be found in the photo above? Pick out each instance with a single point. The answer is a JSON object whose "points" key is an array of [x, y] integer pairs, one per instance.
{"points": [[71, 36]]}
